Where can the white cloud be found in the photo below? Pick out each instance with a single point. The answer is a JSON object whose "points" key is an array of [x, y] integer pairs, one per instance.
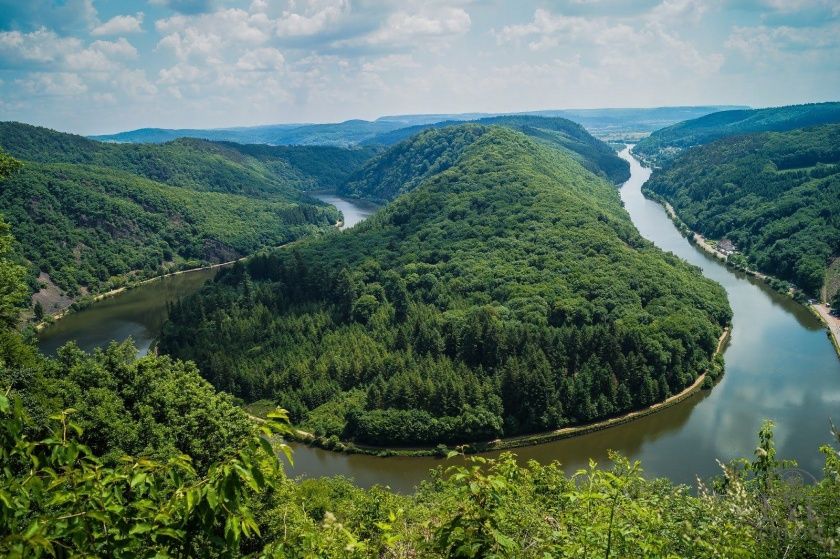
{"points": [[315, 17], [119, 25], [390, 62], [61, 84], [649, 36], [767, 45], [41, 46], [405, 27], [261, 60], [180, 73], [207, 35]]}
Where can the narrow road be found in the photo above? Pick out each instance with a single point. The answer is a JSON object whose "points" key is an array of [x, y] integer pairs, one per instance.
{"points": [[831, 321]]}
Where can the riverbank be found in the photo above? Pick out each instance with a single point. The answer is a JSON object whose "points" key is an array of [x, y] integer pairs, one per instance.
{"points": [[832, 323], [55, 317], [509, 443]]}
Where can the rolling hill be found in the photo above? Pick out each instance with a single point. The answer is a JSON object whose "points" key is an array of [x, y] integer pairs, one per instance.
{"points": [[775, 194], [507, 292], [663, 145], [430, 149], [89, 216]]}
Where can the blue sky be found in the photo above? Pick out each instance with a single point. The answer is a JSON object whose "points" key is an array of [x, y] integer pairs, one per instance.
{"points": [[96, 66]]}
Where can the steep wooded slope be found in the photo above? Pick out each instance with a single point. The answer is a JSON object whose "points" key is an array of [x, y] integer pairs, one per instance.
{"points": [[87, 214], [776, 195]]}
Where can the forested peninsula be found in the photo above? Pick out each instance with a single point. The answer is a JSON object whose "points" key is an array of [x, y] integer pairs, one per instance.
{"points": [[775, 195], [91, 216], [506, 292]]}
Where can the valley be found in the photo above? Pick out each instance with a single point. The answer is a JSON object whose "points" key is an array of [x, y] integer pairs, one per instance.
{"points": [[770, 334]]}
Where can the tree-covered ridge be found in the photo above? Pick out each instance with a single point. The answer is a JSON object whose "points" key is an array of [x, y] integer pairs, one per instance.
{"points": [[405, 166], [776, 195], [509, 293], [88, 226], [257, 171], [88, 213], [665, 144], [379, 181]]}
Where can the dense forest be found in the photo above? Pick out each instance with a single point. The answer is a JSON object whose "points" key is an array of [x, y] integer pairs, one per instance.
{"points": [[507, 293], [775, 195], [89, 215], [663, 145], [204, 481], [595, 155]]}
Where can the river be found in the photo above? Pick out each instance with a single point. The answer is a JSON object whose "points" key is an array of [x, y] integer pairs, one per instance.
{"points": [[779, 365], [139, 313]]}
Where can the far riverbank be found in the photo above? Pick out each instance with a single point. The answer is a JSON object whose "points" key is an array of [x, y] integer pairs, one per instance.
{"points": [[832, 323]]}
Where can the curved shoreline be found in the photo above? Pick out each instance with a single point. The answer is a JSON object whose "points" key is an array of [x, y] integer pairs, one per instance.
{"points": [[817, 309], [520, 440], [53, 318]]}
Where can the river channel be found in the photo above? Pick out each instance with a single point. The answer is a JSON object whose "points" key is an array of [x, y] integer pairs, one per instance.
{"points": [[779, 365]]}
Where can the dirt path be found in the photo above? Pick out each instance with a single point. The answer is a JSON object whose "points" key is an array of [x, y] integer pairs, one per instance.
{"points": [[831, 321]]}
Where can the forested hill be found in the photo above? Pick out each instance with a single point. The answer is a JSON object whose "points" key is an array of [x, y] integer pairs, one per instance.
{"points": [[663, 145], [507, 293], [90, 216], [776, 195], [592, 153], [254, 170]]}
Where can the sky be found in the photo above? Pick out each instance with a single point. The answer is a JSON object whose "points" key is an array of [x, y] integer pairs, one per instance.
{"points": [[101, 66]]}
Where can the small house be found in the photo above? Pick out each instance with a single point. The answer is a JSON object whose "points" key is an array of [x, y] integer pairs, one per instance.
{"points": [[726, 246]]}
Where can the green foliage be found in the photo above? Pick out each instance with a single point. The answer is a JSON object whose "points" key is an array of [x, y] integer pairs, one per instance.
{"points": [[424, 151], [12, 288], [154, 406], [93, 215], [501, 508], [776, 195], [506, 293], [664, 145], [58, 499]]}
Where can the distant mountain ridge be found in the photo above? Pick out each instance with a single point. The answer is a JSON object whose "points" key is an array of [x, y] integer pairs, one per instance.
{"points": [[353, 132], [664, 145]]}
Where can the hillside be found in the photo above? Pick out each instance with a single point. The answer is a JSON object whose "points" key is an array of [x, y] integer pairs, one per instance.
{"points": [[89, 216], [663, 145], [507, 293], [339, 134], [202, 480], [776, 195], [427, 150]]}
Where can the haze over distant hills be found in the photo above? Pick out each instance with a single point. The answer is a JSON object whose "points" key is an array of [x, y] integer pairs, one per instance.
{"points": [[600, 122], [665, 144]]}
